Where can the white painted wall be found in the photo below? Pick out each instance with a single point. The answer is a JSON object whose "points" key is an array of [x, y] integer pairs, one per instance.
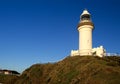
{"points": [[85, 39]]}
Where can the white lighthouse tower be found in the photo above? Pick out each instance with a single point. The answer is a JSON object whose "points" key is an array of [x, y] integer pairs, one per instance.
{"points": [[85, 28]]}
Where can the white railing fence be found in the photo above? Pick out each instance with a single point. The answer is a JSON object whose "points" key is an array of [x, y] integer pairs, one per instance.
{"points": [[112, 54]]}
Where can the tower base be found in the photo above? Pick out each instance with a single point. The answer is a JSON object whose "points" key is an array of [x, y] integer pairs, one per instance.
{"points": [[85, 52], [99, 51]]}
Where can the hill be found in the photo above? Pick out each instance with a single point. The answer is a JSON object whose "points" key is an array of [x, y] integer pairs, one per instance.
{"points": [[74, 70]]}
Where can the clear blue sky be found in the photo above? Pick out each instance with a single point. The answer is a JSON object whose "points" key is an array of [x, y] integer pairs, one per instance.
{"points": [[40, 31]]}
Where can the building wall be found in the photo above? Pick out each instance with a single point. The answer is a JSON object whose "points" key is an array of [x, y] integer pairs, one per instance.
{"points": [[85, 39], [74, 53], [99, 51]]}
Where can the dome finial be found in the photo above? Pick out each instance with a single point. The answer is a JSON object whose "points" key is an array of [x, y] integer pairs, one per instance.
{"points": [[85, 11]]}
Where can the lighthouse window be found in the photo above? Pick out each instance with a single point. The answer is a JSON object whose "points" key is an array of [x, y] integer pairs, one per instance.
{"points": [[85, 17]]}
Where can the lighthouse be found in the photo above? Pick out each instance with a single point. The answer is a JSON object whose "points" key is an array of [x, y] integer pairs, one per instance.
{"points": [[85, 28]]}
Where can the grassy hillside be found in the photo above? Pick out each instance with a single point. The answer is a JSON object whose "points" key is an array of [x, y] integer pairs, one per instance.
{"points": [[8, 79], [74, 70]]}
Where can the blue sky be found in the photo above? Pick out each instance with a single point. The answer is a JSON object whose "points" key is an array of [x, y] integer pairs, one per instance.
{"points": [[40, 31]]}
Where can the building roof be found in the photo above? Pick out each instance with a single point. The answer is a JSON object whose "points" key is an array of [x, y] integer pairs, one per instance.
{"points": [[9, 71]]}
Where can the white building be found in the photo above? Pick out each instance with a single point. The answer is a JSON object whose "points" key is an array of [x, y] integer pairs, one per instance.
{"points": [[85, 28]]}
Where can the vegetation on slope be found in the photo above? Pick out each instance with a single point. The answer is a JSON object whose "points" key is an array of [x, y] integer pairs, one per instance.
{"points": [[8, 79], [74, 70]]}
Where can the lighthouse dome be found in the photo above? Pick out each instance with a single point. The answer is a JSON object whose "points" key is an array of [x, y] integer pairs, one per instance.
{"points": [[85, 12], [85, 19], [85, 15]]}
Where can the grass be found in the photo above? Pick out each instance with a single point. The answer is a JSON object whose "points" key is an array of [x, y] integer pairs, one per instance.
{"points": [[73, 70], [8, 79]]}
